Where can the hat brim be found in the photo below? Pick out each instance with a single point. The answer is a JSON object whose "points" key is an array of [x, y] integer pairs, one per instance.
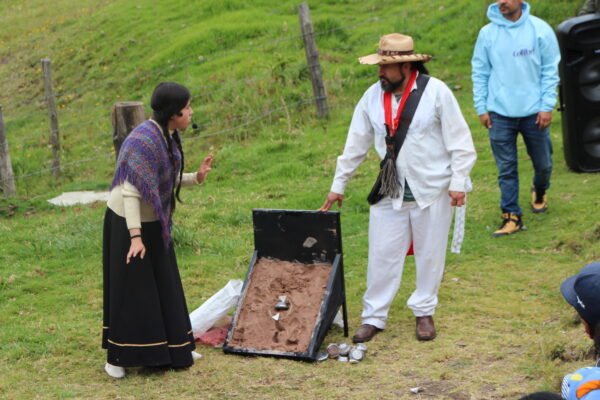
{"points": [[567, 289], [377, 59]]}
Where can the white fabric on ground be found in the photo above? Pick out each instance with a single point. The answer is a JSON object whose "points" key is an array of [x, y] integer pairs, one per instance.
{"points": [[73, 198]]}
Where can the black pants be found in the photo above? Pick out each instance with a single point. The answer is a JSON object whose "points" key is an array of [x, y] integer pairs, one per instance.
{"points": [[146, 320]]}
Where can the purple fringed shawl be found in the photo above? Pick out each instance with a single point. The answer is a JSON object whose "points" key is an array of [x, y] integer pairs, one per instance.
{"points": [[144, 162]]}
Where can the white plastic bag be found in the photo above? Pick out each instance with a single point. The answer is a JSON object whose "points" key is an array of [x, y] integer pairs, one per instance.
{"points": [[339, 319], [204, 317]]}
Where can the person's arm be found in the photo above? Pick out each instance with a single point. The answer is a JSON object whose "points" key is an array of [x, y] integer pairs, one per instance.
{"points": [[132, 201], [188, 179], [550, 57], [480, 74], [359, 141], [458, 142], [588, 8]]}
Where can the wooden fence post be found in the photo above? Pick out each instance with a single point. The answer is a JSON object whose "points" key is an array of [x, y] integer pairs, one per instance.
{"points": [[126, 115], [54, 136], [312, 57], [6, 171]]}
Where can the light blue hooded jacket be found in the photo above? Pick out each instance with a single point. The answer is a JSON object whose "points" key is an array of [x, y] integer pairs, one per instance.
{"points": [[515, 65]]}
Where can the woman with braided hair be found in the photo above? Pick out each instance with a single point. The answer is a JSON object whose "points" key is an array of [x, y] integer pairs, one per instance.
{"points": [[146, 321]]}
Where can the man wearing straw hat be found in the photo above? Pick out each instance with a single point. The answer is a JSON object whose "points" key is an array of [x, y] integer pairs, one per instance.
{"points": [[417, 129]]}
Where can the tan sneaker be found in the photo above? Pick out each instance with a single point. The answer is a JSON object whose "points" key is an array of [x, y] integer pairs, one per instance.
{"points": [[511, 223], [539, 202]]}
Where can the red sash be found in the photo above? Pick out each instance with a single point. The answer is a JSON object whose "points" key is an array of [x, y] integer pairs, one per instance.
{"points": [[387, 105], [392, 126]]}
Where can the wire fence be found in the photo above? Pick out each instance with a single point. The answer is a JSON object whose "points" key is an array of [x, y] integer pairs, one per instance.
{"points": [[257, 118], [205, 91]]}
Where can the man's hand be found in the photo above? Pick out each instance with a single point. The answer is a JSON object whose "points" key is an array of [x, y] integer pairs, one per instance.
{"points": [[457, 199], [332, 198], [485, 120], [544, 119]]}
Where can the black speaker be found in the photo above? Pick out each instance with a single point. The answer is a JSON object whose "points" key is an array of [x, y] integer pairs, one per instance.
{"points": [[579, 40]]}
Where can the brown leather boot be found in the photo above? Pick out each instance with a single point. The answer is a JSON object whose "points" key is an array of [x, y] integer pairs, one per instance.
{"points": [[365, 333], [425, 328]]}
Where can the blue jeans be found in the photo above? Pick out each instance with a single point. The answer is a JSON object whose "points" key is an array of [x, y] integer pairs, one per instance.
{"points": [[503, 138]]}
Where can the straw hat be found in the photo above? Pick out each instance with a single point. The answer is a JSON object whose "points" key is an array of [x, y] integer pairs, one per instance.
{"points": [[394, 48]]}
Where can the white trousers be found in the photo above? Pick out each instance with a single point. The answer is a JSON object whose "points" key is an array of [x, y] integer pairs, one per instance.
{"points": [[390, 234]]}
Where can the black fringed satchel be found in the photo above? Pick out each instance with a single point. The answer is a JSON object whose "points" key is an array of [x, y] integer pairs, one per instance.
{"points": [[387, 181]]}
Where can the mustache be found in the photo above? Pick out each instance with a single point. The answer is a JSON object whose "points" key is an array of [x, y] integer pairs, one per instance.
{"points": [[387, 85]]}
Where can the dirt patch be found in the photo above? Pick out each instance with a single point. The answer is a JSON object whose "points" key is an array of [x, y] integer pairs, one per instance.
{"points": [[434, 390], [8, 210], [260, 326], [595, 236], [572, 353], [570, 245]]}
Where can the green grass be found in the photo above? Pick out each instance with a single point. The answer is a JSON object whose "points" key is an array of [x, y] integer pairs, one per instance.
{"points": [[504, 329]]}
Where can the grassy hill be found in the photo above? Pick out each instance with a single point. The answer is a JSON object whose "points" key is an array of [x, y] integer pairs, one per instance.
{"points": [[503, 328]]}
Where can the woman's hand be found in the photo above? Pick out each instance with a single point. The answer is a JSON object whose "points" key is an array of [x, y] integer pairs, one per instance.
{"points": [[204, 168], [137, 247]]}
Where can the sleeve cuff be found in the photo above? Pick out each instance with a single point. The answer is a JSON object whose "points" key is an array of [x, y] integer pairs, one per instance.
{"points": [[481, 111], [461, 185], [338, 187], [548, 108], [188, 179]]}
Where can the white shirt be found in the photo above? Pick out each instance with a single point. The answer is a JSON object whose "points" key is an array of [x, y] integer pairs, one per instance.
{"points": [[437, 155]]}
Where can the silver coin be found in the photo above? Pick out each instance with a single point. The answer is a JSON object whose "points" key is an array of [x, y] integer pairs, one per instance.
{"points": [[344, 349], [362, 347], [333, 350], [356, 354]]}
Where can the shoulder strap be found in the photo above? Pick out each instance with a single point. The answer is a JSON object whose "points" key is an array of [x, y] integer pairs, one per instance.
{"points": [[409, 112]]}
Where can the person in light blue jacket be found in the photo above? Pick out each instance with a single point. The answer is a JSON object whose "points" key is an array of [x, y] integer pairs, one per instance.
{"points": [[515, 74]]}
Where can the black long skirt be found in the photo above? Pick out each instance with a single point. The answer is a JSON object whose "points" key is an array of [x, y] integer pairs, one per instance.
{"points": [[146, 320]]}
